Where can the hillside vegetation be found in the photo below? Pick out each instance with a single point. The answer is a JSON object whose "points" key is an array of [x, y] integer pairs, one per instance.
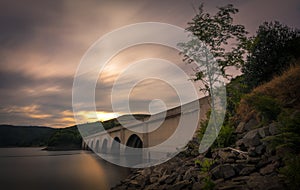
{"points": [[12, 136], [258, 145], [276, 97], [34, 136]]}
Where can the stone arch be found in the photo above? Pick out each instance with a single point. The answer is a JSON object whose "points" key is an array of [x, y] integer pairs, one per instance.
{"points": [[91, 144], [97, 146], [115, 147], [134, 151], [104, 146], [134, 141], [84, 147]]}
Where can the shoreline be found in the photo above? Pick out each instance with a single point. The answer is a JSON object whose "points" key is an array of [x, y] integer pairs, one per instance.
{"points": [[60, 148]]}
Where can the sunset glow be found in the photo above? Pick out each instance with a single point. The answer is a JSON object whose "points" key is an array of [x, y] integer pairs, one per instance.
{"points": [[40, 53], [104, 116]]}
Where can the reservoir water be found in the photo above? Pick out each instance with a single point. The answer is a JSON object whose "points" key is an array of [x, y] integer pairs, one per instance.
{"points": [[34, 169]]}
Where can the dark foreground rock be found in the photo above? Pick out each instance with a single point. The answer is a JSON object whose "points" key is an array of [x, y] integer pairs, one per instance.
{"points": [[250, 164]]}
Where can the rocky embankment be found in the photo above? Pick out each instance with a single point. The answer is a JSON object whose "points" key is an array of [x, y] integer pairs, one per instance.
{"points": [[249, 164]]}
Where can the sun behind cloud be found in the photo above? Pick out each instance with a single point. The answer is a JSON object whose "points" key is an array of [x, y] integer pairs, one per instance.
{"points": [[104, 116]]}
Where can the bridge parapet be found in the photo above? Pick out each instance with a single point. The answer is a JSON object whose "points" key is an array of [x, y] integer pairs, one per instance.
{"points": [[146, 129]]}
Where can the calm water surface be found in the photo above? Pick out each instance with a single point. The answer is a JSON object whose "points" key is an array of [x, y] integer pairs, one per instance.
{"points": [[31, 168]]}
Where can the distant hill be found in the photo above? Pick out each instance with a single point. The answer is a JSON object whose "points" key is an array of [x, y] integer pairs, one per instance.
{"points": [[11, 136], [55, 139], [65, 139], [29, 136]]}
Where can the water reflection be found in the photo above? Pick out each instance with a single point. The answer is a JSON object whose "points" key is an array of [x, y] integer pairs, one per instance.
{"points": [[30, 168]]}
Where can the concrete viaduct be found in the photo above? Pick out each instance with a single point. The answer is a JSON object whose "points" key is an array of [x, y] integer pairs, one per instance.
{"points": [[107, 142]]}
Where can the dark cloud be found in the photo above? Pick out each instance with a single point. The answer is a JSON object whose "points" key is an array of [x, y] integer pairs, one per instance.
{"points": [[42, 42], [19, 19]]}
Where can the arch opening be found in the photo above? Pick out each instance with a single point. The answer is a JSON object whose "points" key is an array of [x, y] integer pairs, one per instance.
{"points": [[91, 145], [97, 146], [104, 146], [134, 150], [115, 148], [134, 141]]}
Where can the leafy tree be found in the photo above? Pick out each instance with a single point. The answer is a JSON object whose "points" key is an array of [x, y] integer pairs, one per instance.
{"points": [[206, 47], [272, 50], [216, 32], [65, 137]]}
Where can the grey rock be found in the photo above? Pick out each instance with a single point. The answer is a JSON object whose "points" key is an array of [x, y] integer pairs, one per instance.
{"points": [[240, 127], [153, 186], [180, 185], [134, 182], [241, 161], [187, 174], [251, 124], [240, 178], [265, 183], [263, 132], [171, 178], [263, 162], [146, 172], [273, 129], [162, 180], [260, 149], [247, 170], [252, 152], [153, 179], [197, 186], [252, 138], [269, 169], [253, 160], [239, 143], [223, 171]]}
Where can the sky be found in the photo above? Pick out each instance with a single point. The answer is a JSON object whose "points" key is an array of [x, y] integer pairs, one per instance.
{"points": [[42, 44]]}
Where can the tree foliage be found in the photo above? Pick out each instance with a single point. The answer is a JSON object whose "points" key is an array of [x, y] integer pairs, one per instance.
{"points": [[272, 50], [209, 48], [64, 137], [216, 32]]}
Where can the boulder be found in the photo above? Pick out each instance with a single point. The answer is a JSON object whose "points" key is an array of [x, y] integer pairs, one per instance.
{"points": [[223, 171], [265, 183], [181, 185], [252, 138], [273, 129], [260, 149], [263, 132], [252, 152], [197, 186], [153, 186], [153, 179], [247, 170], [240, 127], [146, 171], [162, 180], [190, 173], [251, 124], [171, 178], [269, 169]]}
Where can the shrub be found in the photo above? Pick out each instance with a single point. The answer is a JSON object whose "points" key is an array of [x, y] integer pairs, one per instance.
{"points": [[225, 138], [267, 107], [272, 51], [291, 172]]}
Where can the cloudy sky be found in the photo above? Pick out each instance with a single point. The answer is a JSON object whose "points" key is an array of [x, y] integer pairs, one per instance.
{"points": [[42, 43]]}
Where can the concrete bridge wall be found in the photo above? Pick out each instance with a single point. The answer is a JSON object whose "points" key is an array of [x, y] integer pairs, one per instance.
{"points": [[102, 141]]}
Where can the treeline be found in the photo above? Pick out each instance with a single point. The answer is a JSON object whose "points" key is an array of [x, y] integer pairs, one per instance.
{"points": [[33, 136], [64, 139], [24, 136]]}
